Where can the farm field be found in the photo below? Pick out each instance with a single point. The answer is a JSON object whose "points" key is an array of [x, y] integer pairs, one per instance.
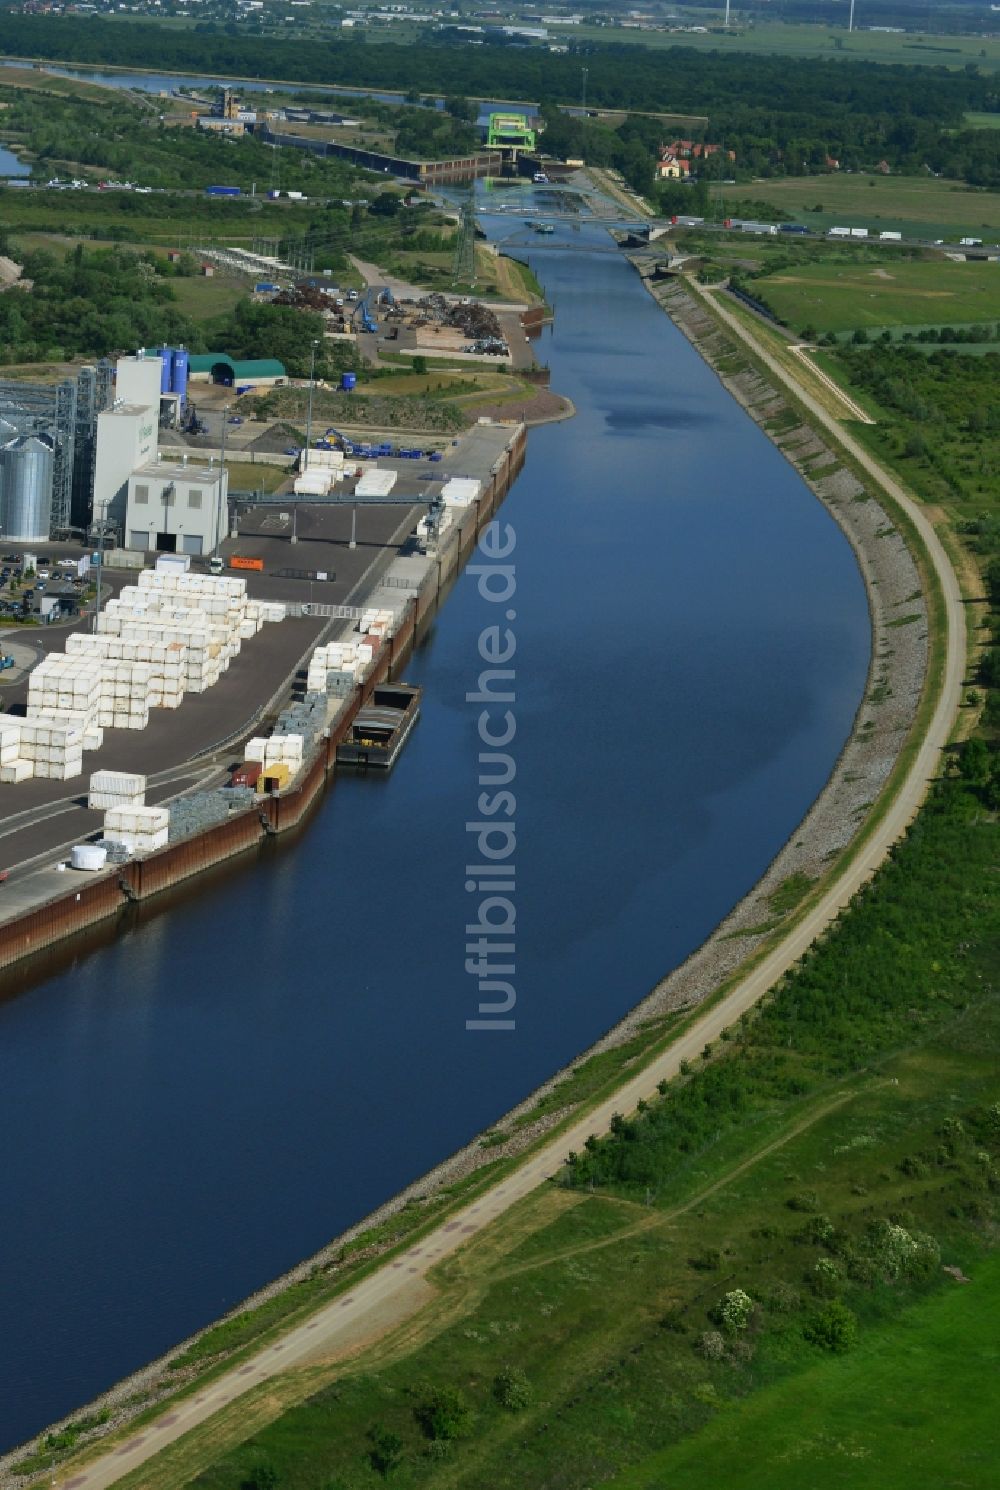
{"points": [[919, 206], [905, 1409], [836, 297], [784, 40]]}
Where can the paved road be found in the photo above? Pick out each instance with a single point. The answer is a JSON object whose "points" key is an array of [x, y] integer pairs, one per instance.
{"points": [[393, 1293]]}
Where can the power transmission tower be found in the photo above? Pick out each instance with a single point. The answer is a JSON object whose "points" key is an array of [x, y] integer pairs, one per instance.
{"points": [[463, 269]]}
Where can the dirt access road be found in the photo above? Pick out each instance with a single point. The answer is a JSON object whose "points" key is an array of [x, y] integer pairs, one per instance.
{"points": [[389, 1296]]}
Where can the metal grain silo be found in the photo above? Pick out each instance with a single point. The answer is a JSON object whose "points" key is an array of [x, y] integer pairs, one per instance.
{"points": [[26, 488]]}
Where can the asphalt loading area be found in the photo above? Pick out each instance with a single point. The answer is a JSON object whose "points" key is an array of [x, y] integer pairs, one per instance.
{"points": [[40, 817]]}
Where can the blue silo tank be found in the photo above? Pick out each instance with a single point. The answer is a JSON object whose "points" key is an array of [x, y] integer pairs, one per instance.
{"points": [[179, 377], [167, 368], [348, 382]]}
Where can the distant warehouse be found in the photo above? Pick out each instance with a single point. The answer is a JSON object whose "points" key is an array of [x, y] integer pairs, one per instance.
{"points": [[217, 367]]}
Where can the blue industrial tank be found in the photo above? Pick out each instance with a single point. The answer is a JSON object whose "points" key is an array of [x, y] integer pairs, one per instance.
{"points": [[166, 368], [179, 375], [348, 382]]}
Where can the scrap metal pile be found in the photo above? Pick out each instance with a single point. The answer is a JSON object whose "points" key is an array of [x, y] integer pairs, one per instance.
{"points": [[475, 321]]}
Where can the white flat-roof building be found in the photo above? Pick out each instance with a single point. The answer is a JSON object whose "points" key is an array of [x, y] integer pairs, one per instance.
{"points": [[177, 507], [126, 438]]}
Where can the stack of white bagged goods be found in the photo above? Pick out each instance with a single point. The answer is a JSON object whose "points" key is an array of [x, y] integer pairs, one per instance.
{"points": [[376, 623], [65, 689], [140, 829], [167, 663], [126, 693], [460, 491], [336, 667], [315, 482], [270, 749], [54, 750], [12, 767], [376, 483], [110, 789]]}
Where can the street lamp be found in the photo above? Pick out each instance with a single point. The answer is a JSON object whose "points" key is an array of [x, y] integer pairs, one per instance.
{"points": [[585, 71], [309, 413], [221, 484]]}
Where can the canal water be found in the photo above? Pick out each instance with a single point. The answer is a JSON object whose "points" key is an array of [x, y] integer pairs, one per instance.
{"points": [[10, 165], [152, 82], [192, 1109]]}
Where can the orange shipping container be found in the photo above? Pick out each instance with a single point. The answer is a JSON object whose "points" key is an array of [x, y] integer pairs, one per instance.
{"points": [[236, 562]]}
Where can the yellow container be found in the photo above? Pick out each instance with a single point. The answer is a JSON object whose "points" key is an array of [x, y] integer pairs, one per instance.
{"points": [[279, 774]]}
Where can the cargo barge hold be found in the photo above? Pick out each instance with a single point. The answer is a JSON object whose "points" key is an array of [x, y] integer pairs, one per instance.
{"points": [[381, 729]]}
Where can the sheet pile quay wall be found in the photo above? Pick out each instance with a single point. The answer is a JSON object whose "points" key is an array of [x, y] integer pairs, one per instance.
{"points": [[91, 899]]}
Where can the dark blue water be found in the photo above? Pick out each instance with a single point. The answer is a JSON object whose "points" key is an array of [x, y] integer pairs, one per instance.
{"points": [[191, 1110]]}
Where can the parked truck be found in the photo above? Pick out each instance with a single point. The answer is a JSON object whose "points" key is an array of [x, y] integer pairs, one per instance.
{"points": [[891, 237], [222, 191], [970, 243]]}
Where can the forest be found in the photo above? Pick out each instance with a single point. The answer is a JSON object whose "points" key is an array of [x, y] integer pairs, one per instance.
{"points": [[98, 303]]}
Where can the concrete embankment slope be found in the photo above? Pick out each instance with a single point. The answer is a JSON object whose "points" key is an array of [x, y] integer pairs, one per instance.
{"points": [[396, 1290]]}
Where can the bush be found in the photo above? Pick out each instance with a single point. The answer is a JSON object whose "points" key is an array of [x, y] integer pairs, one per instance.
{"points": [[833, 1328], [511, 1389], [386, 1450], [734, 1311], [712, 1346], [444, 1414]]}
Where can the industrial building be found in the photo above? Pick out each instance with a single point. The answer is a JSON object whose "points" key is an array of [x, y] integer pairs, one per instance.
{"points": [[67, 448], [177, 507], [217, 367], [66, 414]]}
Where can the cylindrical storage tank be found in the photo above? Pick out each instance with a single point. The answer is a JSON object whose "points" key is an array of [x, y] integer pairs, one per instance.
{"points": [[25, 489], [166, 368], [88, 856], [348, 382], [179, 375]]}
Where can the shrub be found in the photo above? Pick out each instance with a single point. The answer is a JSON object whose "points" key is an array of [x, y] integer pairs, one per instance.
{"points": [[443, 1413], [825, 1280], [511, 1389], [386, 1450], [833, 1328], [734, 1311], [712, 1346]]}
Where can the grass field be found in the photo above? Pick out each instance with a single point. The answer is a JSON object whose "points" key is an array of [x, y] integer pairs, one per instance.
{"points": [[905, 1409], [983, 121], [842, 297], [921, 206], [786, 40], [245, 475], [202, 299]]}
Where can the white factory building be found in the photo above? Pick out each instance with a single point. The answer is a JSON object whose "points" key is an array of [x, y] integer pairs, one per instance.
{"points": [[165, 506], [177, 507]]}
